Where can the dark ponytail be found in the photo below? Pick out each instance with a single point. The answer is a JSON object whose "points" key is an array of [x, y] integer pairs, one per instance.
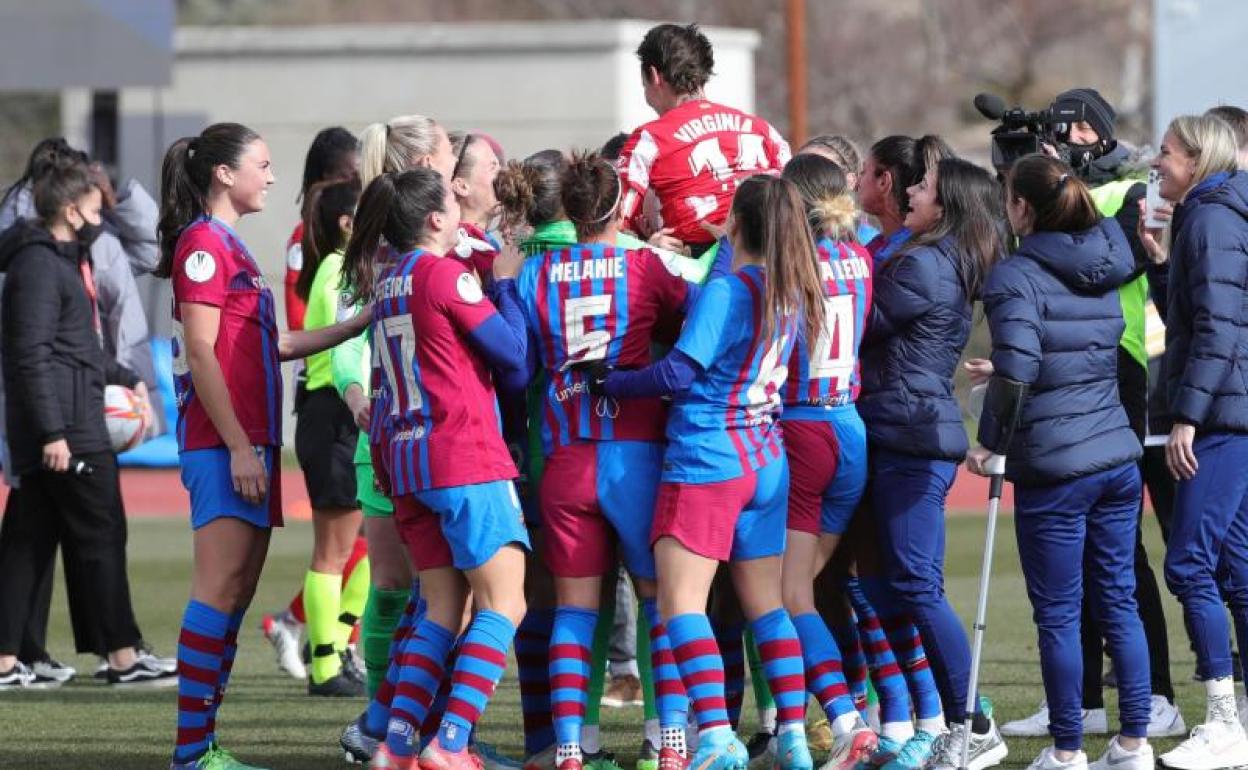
{"points": [[771, 222], [528, 190], [186, 179], [590, 192], [1059, 198], [396, 208], [325, 203], [908, 160]]}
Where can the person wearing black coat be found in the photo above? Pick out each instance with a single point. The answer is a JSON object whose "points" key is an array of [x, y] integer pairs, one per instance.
{"points": [[55, 371], [1204, 301], [1056, 319], [920, 322]]}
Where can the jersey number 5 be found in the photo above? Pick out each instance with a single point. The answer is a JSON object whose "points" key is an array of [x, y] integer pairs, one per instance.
{"points": [[585, 344], [839, 326]]}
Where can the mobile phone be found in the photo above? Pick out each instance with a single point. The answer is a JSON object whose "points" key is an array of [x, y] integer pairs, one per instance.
{"points": [[1152, 201]]}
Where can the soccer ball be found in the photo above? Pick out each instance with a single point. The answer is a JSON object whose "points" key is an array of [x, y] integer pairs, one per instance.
{"points": [[126, 418]]}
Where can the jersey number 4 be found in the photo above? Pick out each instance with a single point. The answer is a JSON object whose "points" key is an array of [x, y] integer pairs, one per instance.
{"points": [[839, 328]]}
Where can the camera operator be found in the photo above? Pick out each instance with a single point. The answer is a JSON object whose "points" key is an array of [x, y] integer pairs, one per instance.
{"points": [[1116, 177]]}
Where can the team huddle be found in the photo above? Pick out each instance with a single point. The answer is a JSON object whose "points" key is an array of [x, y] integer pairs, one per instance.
{"points": [[689, 354]]}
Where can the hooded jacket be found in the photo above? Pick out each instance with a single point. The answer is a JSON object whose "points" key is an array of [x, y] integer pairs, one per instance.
{"points": [[1205, 307], [54, 366], [1055, 319], [920, 322]]}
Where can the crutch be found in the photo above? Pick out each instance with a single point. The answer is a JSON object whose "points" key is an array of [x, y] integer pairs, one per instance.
{"points": [[1002, 403]]}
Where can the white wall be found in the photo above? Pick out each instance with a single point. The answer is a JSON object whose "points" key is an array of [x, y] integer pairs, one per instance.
{"points": [[1199, 58]]}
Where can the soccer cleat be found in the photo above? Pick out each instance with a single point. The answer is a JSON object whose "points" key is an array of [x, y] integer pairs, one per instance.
{"points": [[915, 754], [720, 750], [283, 633], [1048, 761], [215, 758], [849, 750], [144, 674], [384, 760], [762, 750], [885, 749], [358, 747], [571, 763], [1164, 719], [1214, 745], [1118, 758], [434, 757], [600, 760], [671, 759], [337, 686], [493, 759], [792, 753], [542, 760], [986, 750], [648, 757], [50, 668], [1037, 725]]}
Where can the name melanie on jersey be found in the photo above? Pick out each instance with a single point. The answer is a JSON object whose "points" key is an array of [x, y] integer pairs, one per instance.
{"points": [[709, 124], [590, 269]]}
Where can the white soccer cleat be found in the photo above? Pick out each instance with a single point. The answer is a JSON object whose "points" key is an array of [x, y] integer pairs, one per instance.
{"points": [[986, 750], [1118, 758], [283, 633], [1215, 745], [1037, 725]]}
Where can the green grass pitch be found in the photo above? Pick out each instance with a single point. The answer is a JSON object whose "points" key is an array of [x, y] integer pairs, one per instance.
{"points": [[267, 719]]}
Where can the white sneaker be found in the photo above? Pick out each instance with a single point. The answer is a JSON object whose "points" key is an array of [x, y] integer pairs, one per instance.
{"points": [[986, 751], [1037, 725], [50, 668], [1214, 745], [1048, 761], [1118, 758], [283, 634], [1164, 719]]}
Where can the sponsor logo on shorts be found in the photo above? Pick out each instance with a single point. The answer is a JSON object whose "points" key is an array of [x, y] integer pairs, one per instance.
{"points": [[411, 434]]}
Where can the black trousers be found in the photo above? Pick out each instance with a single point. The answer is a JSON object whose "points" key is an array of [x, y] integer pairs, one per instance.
{"points": [[85, 516], [1133, 391]]}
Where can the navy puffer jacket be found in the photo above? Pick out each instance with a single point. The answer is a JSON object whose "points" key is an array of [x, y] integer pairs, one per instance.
{"points": [[1055, 318], [1206, 308], [920, 322]]}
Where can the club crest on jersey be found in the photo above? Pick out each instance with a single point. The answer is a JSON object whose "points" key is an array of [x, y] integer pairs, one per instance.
{"points": [[200, 266], [468, 288]]}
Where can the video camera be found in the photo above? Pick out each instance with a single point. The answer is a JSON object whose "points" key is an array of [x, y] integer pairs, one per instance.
{"points": [[1022, 132]]}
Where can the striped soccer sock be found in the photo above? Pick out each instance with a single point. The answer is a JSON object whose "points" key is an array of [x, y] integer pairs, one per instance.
{"points": [[781, 652], [824, 671], [729, 638], [671, 699], [569, 676], [482, 659], [886, 675], [701, 668], [377, 715], [201, 645], [533, 671], [422, 664]]}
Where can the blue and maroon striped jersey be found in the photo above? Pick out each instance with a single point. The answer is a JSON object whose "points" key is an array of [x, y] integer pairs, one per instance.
{"points": [[826, 374], [589, 303], [724, 424]]}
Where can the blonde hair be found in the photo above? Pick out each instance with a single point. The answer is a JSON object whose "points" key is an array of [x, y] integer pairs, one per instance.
{"points": [[1208, 139], [396, 145]]}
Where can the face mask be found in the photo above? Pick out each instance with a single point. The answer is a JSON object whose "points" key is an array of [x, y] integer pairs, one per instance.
{"points": [[88, 232]]}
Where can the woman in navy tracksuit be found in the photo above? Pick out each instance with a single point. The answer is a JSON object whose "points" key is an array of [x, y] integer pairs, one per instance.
{"points": [[1204, 301], [920, 321], [1055, 320]]}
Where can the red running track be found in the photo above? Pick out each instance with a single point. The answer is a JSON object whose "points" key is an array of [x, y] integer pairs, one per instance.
{"points": [[159, 494]]}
